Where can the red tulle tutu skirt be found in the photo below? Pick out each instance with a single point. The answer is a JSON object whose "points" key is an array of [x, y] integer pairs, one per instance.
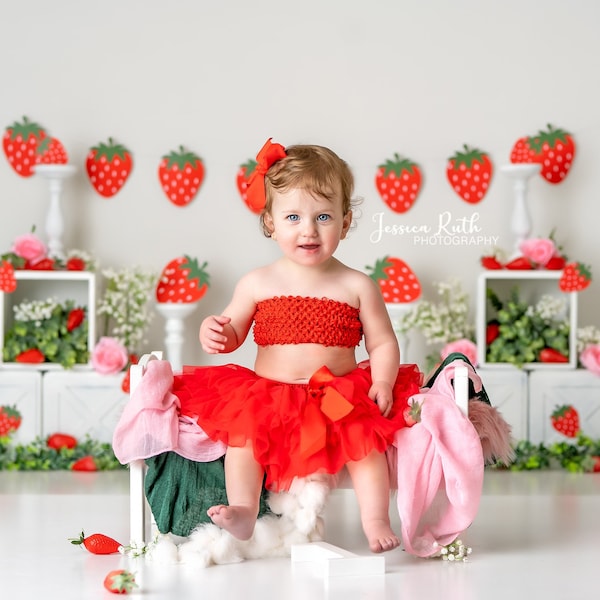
{"points": [[295, 429]]}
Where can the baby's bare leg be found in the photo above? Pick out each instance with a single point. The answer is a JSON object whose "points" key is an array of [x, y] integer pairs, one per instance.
{"points": [[370, 478], [243, 481]]}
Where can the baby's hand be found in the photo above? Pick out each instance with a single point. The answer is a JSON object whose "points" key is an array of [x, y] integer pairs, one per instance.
{"points": [[212, 336], [381, 394]]}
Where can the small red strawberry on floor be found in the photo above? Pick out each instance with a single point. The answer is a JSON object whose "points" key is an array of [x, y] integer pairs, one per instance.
{"points": [[10, 420], [182, 280], [50, 151], [97, 543], [120, 581], [412, 414], [241, 181], [469, 173], [565, 419], [398, 182], [108, 166], [181, 174], [396, 280], [20, 142], [8, 281], [575, 277], [554, 149]]}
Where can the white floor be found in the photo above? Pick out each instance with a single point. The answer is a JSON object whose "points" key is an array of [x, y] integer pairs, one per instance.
{"points": [[537, 535]]}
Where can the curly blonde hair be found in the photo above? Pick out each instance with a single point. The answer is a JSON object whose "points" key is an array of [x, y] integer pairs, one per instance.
{"points": [[314, 168]]}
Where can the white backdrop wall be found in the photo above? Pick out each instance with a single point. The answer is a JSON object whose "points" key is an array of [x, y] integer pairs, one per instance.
{"points": [[365, 78]]}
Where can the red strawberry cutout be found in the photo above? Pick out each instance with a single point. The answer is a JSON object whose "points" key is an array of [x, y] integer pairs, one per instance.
{"points": [[50, 151], [108, 166], [181, 174], [398, 182], [469, 173], [396, 280], [182, 281], [8, 281], [241, 181], [575, 277], [554, 149], [565, 419], [20, 143]]}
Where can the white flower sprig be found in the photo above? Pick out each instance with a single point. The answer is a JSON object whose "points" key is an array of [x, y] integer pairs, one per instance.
{"points": [[125, 305], [444, 321], [35, 310], [587, 336]]}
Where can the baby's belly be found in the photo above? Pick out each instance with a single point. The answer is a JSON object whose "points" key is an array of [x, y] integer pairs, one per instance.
{"points": [[296, 363]]}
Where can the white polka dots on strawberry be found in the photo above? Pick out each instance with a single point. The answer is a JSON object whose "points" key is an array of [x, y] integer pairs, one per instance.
{"points": [[181, 174], [182, 281], [469, 173]]}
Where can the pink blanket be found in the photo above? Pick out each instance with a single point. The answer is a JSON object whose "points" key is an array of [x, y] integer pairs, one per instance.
{"points": [[440, 470], [150, 423]]}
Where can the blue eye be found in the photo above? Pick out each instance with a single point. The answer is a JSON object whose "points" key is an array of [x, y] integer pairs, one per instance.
{"points": [[323, 217], [293, 218]]}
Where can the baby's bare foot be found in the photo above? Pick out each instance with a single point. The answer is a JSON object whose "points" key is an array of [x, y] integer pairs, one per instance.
{"points": [[380, 536], [239, 521]]}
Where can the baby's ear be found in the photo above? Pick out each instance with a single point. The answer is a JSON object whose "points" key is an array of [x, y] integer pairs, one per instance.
{"points": [[347, 223]]}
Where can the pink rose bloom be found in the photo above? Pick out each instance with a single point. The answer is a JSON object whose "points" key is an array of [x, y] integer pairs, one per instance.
{"points": [[539, 250], [464, 346], [30, 247], [590, 358], [109, 356]]}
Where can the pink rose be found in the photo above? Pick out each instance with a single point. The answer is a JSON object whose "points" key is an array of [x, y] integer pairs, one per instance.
{"points": [[30, 247], [590, 358], [464, 346], [109, 356], [539, 250]]}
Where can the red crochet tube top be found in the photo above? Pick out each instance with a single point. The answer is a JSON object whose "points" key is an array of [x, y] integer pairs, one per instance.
{"points": [[300, 320]]}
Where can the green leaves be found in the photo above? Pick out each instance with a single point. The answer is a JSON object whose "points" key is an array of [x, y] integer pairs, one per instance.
{"points": [[524, 331], [577, 457], [36, 456], [49, 334]]}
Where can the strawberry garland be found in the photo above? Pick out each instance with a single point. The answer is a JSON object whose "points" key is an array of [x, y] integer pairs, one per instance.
{"points": [[181, 174], [398, 182], [469, 173]]}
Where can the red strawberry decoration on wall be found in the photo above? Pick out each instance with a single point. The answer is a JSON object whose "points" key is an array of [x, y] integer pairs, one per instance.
{"points": [[181, 174], [108, 166], [396, 280], [398, 182], [575, 277], [565, 419], [241, 180], [469, 174], [10, 420], [182, 281], [8, 281], [50, 151], [553, 149], [20, 143]]}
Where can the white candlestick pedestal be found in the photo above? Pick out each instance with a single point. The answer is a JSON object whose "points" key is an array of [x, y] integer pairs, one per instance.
{"points": [[175, 314], [521, 221], [55, 174], [397, 312]]}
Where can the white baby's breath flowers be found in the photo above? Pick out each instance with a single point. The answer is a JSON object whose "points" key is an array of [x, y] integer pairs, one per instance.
{"points": [[444, 321], [35, 310], [125, 305], [587, 336], [549, 308]]}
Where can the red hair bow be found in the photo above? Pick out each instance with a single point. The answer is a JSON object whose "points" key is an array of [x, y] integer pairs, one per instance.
{"points": [[255, 193]]}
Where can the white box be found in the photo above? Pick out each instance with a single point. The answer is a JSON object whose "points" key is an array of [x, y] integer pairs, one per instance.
{"points": [[23, 389], [532, 285], [550, 389], [507, 389], [80, 403], [79, 286]]}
